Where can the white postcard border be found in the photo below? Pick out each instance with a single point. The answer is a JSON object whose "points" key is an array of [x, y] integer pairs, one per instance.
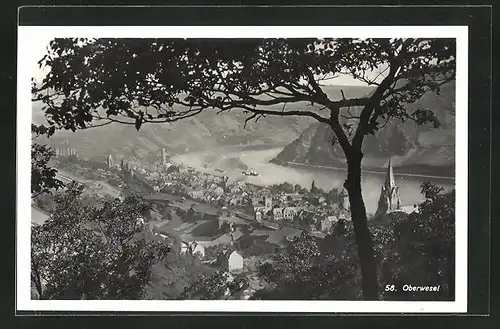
{"points": [[29, 34]]}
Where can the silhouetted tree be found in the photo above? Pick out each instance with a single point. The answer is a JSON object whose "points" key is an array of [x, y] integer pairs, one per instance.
{"points": [[216, 286], [93, 251], [302, 272], [43, 177], [417, 248], [135, 81]]}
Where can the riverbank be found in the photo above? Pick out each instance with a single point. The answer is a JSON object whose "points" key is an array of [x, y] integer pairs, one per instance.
{"points": [[417, 171], [270, 172]]}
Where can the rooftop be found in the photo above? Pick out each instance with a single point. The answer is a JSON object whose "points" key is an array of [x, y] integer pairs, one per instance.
{"points": [[226, 238]]}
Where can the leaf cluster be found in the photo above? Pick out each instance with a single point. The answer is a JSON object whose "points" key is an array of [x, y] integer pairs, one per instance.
{"points": [[137, 81], [93, 251]]}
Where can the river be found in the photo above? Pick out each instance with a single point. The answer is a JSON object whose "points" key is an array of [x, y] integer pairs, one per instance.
{"points": [[233, 162]]}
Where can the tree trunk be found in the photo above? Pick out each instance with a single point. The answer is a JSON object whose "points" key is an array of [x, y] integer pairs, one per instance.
{"points": [[369, 282]]}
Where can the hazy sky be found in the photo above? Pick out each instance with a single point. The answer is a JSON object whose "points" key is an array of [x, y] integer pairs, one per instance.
{"points": [[38, 49]]}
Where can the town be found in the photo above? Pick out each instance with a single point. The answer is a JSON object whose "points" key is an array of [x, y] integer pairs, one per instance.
{"points": [[228, 225]]}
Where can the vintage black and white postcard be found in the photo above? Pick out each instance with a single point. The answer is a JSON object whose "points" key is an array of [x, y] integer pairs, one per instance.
{"points": [[243, 168]]}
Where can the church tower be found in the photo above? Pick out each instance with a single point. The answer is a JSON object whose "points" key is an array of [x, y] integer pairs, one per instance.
{"points": [[268, 203], [344, 199], [389, 195], [165, 158]]}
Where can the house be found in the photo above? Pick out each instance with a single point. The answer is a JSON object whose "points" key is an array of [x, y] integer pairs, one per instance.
{"points": [[196, 194], [259, 209], [231, 219], [218, 191], [327, 224], [232, 261], [205, 211], [332, 219], [278, 214], [289, 213], [227, 238], [258, 216]]}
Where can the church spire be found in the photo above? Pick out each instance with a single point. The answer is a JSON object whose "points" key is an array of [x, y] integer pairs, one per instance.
{"points": [[390, 182], [389, 195]]}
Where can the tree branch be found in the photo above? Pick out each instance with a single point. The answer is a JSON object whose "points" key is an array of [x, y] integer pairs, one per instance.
{"points": [[334, 123], [310, 77], [283, 113], [374, 100], [248, 119]]}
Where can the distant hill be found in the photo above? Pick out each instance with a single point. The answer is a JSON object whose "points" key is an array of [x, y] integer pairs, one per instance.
{"points": [[206, 130], [417, 149]]}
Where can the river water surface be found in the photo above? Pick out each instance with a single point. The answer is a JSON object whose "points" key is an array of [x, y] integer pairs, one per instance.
{"points": [[233, 162]]}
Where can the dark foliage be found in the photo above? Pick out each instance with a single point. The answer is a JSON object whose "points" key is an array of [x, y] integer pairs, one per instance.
{"points": [[423, 248], [93, 251], [302, 272], [43, 177], [416, 249]]}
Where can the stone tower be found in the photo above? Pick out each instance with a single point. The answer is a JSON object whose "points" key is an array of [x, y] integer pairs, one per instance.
{"points": [[110, 161], [165, 158], [389, 195], [344, 199], [268, 202]]}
